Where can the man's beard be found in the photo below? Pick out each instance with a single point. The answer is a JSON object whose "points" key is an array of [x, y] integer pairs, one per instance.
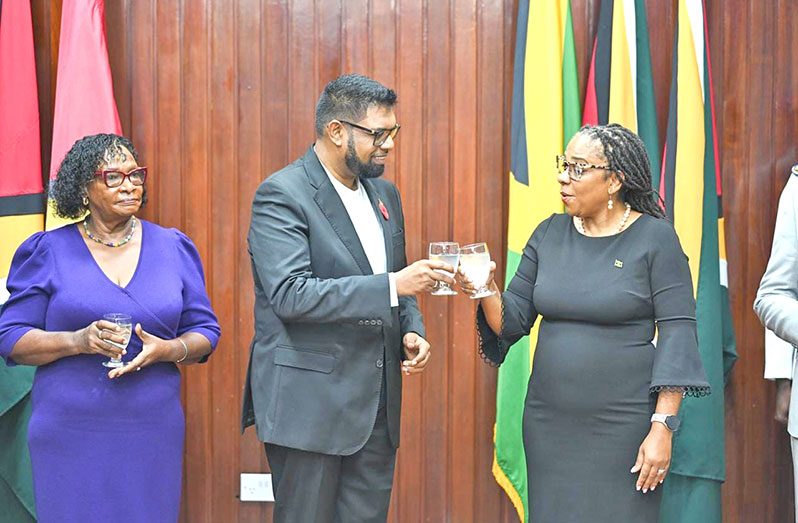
{"points": [[358, 168]]}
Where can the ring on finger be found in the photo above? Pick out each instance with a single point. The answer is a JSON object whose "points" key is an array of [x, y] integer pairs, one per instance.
{"points": [[661, 471]]}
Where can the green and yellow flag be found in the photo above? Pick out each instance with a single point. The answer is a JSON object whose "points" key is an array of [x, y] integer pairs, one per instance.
{"points": [[620, 86], [690, 185], [545, 113]]}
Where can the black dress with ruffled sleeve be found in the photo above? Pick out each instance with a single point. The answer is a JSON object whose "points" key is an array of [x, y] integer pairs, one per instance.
{"points": [[597, 366]]}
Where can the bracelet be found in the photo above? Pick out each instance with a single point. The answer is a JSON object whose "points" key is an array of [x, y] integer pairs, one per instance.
{"points": [[185, 348]]}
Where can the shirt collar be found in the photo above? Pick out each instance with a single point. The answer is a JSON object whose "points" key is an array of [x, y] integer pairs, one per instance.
{"points": [[337, 183]]}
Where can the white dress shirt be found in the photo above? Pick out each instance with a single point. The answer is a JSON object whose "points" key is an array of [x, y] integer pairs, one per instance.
{"points": [[777, 298], [367, 226], [779, 357]]}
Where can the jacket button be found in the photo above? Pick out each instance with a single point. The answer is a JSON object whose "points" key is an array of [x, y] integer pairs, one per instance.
{"points": [[374, 322], [360, 322], [379, 363], [379, 322]]}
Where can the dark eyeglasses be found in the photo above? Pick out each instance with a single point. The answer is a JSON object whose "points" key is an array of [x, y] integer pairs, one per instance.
{"points": [[575, 170], [380, 135], [114, 178]]}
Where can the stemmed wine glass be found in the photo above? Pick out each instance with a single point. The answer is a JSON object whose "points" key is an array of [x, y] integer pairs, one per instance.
{"points": [[449, 253], [125, 324], [475, 264]]}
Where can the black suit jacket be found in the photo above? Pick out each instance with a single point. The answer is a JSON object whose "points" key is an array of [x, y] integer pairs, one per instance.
{"points": [[324, 325]]}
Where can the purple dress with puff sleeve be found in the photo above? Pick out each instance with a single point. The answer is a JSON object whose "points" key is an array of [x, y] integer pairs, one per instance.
{"points": [[106, 450]]}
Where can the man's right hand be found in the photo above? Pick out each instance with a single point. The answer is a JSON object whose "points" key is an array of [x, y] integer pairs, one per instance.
{"points": [[421, 276], [783, 390]]}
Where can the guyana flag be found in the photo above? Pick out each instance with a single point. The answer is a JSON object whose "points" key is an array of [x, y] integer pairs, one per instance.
{"points": [[545, 114], [620, 88], [691, 188], [21, 214]]}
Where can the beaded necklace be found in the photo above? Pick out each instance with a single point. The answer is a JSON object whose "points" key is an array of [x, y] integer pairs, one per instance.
{"points": [[120, 243]]}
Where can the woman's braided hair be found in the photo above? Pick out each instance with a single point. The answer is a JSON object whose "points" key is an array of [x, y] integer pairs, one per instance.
{"points": [[626, 153]]}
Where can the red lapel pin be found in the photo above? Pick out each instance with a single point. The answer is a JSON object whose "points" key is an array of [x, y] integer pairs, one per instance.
{"points": [[383, 210]]}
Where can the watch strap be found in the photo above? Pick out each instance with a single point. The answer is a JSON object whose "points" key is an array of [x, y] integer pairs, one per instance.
{"points": [[659, 417]]}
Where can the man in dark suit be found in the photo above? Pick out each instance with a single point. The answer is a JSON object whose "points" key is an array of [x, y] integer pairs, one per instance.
{"points": [[336, 319]]}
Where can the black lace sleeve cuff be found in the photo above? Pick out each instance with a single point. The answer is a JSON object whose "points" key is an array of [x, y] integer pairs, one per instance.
{"points": [[677, 362], [492, 348], [696, 391]]}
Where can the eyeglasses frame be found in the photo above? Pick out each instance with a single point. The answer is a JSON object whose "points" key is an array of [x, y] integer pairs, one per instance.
{"points": [[105, 172], [570, 168], [376, 132]]}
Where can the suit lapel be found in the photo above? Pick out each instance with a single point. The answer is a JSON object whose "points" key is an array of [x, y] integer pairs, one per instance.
{"points": [[375, 197], [333, 209]]}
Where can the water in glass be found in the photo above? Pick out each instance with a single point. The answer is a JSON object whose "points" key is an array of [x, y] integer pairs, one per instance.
{"points": [[125, 323], [475, 264], [449, 253]]}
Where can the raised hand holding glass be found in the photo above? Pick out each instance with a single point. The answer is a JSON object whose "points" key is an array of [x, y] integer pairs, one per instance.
{"points": [[475, 264], [449, 253]]}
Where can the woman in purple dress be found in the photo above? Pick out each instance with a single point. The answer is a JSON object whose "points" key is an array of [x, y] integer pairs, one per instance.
{"points": [[106, 445]]}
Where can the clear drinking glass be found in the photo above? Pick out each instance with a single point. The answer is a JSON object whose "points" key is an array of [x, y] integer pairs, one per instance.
{"points": [[475, 263], [125, 323], [446, 252]]}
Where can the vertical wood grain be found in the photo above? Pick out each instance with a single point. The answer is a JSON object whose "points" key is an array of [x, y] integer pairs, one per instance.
{"points": [[219, 94]]}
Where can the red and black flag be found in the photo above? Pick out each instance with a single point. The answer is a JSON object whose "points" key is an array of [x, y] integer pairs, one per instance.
{"points": [[22, 202], [84, 103]]}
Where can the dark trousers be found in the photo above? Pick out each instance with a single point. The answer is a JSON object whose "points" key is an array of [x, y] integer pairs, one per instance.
{"points": [[311, 487]]}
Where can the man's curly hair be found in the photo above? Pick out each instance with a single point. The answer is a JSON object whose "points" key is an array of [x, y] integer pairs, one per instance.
{"points": [[76, 171]]}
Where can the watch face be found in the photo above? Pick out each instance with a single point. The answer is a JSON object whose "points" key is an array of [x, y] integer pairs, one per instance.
{"points": [[672, 422]]}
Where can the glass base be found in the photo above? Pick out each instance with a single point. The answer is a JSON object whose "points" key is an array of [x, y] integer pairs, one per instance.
{"points": [[444, 291], [482, 293], [111, 364]]}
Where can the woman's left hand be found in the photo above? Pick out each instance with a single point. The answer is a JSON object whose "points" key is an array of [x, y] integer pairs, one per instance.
{"points": [[153, 350], [653, 458]]}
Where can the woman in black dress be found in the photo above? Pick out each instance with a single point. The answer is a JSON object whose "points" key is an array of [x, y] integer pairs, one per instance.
{"points": [[602, 401]]}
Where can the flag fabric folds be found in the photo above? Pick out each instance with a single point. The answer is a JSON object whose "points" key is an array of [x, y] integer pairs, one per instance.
{"points": [[84, 96], [21, 214], [691, 188], [620, 85], [21, 191], [545, 114]]}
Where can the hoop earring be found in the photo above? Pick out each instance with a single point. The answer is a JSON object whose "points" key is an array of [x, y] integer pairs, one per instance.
{"points": [[85, 201]]}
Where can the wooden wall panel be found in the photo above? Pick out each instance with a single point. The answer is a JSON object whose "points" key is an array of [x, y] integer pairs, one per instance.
{"points": [[46, 15], [232, 90], [406, 504], [757, 101], [218, 94]]}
